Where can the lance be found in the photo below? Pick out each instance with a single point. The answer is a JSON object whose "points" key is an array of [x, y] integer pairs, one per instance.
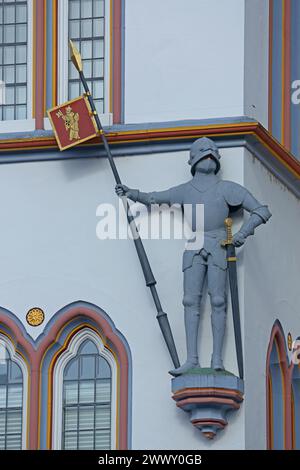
{"points": [[231, 259], [144, 261]]}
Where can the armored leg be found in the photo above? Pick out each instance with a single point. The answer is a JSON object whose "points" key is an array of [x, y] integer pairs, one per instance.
{"points": [[217, 292], [193, 283]]}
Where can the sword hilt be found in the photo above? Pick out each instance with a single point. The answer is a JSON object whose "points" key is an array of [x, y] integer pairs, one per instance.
{"points": [[228, 225]]}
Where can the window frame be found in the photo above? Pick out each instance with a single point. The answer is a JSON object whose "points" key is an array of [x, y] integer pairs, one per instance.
{"points": [[63, 72], [27, 124], [17, 358], [58, 375]]}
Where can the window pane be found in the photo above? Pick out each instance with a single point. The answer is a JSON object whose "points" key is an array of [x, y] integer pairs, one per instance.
{"points": [[103, 391], [99, 27], [21, 94], [9, 95], [88, 347], [102, 440], [3, 372], [14, 396], [71, 419], [98, 69], [86, 28], [3, 396], [102, 417], [98, 89], [74, 29], [14, 422], [86, 440], [74, 9], [98, 48], [9, 34], [98, 8], [21, 74], [21, 32], [71, 393], [87, 68], [86, 392], [87, 367], [2, 443], [21, 14], [86, 417], [9, 55], [73, 90], [9, 74], [86, 49], [9, 113], [103, 368], [99, 106], [21, 112], [86, 8], [13, 442], [9, 14], [21, 54], [71, 371], [70, 440], [2, 422]]}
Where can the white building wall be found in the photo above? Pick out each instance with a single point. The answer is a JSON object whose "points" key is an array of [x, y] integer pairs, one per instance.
{"points": [[272, 262], [183, 60], [51, 257]]}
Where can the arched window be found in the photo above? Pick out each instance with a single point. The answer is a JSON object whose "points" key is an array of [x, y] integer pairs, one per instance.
{"points": [[87, 24], [276, 390], [296, 407], [84, 407], [13, 390]]}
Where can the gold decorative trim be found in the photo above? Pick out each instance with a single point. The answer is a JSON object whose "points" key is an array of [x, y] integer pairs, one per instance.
{"points": [[35, 316]]}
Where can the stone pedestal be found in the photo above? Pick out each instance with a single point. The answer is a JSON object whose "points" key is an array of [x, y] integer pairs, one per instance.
{"points": [[208, 395]]}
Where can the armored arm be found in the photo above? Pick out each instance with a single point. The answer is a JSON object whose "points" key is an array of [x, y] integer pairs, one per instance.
{"points": [[157, 197], [237, 196], [259, 214]]}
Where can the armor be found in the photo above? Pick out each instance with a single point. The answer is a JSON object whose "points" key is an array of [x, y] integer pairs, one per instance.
{"points": [[220, 198]]}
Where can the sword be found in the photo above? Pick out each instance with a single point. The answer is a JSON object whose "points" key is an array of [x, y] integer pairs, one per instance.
{"points": [[161, 316], [231, 258]]}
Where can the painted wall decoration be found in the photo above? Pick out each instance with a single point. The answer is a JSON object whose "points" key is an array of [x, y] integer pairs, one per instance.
{"points": [[41, 356]]}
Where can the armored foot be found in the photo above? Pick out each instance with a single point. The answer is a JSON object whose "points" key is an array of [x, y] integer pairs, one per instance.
{"points": [[184, 368], [217, 363]]}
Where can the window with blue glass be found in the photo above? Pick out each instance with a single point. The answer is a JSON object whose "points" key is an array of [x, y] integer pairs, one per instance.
{"points": [[87, 400], [13, 59], [11, 403], [86, 25]]}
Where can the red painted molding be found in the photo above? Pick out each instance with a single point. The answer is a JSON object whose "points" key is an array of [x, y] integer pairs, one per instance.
{"points": [[39, 78], [287, 75], [270, 110], [163, 134], [117, 61]]}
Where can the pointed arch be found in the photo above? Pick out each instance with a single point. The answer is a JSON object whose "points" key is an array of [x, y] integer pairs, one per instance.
{"points": [[20, 351], [278, 413], [55, 342]]}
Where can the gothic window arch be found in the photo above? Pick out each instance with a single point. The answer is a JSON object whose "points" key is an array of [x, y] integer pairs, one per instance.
{"points": [[276, 390], [85, 395]]}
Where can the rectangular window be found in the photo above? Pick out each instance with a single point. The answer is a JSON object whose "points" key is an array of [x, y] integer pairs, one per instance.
{"points": [[13, 59], [87, 24]]}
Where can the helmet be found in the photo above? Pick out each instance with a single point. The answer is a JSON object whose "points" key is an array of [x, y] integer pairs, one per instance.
{"points": [[200, 149]]}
